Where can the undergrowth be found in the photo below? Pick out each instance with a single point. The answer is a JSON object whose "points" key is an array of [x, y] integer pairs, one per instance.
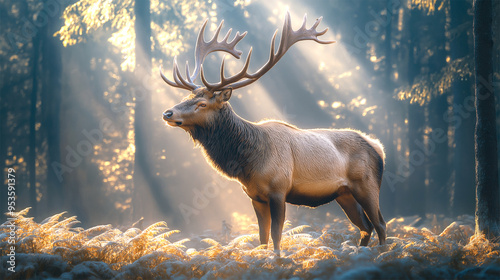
{"points": [[55, 248]]}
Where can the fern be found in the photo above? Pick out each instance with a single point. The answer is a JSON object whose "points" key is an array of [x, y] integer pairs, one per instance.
{"points": [[108, 252], [66, 223], [19, 214], [210, 241], [52, 220], [296, 230], [167, 234], [93, 230], [243, 239]]}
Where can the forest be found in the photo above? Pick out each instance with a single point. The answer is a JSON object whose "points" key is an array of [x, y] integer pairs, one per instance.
{"points": [[96, 185]]}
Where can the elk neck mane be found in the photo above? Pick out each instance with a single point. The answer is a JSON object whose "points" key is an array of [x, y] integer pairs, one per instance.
{"points": [[231, 144]]}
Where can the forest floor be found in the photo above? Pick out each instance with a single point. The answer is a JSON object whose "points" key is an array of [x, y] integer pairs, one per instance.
{"points": [[438, 249]]}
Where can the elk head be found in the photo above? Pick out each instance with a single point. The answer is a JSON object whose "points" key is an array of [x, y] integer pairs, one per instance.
{"points": [[204, 102]]}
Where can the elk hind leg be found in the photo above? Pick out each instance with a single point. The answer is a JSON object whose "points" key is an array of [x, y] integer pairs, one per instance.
{"points": [[366, 194], [354, 212]]}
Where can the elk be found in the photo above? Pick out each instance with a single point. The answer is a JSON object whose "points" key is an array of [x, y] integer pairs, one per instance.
{"points": [[274, 161]]}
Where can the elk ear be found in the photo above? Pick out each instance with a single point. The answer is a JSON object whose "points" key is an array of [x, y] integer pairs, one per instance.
{"points": [[224, 95]]}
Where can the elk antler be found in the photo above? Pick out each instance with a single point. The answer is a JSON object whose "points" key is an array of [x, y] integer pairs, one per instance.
{"points": [[288, 38], [201, 51], [242, 78]]}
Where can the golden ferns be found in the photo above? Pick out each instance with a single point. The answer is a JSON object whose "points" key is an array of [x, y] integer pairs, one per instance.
{"points": [[311, 251]]}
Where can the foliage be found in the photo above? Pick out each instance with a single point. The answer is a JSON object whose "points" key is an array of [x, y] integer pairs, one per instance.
{"points": [[429, 6], [84, 17], [58, 249], [169, 23], [435, 84]]}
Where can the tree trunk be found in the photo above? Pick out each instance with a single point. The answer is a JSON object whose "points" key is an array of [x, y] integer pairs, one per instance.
{"points": [[51, 105], [437, 159], [32, 134], [389, 197], [416, 203], [144, 173], [416, 122], [487, 189], [462, 194], [437, 150]]}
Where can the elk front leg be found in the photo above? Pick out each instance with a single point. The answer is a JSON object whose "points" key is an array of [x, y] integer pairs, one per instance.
{"points": [[264, 218], [277, 205]]}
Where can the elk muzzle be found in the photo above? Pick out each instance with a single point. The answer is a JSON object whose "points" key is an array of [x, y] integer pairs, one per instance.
{"points": [[168, 117]]}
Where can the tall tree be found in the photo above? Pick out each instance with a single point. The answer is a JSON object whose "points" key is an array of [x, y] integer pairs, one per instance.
{"points": [[416, 124], [487, 188], [32, 124], [437, 155], [463, 151], [144, 174], [51, 103], [391, 115]]}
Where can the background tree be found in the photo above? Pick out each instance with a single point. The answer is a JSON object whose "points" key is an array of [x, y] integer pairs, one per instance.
{"points": [[32, 124], [51, 99], [463, 130], [438, 164], [24, 134], [487, 188], [416, 197], [144, 171]]}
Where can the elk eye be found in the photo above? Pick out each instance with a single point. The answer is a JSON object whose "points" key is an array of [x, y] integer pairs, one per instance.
{"points": [[202, 105]]}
